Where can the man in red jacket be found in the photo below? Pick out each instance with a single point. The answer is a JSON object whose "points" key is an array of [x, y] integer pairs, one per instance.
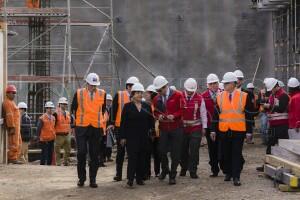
{"points": [[294, 107], [210, 98], [168, 110], [194, 122]]}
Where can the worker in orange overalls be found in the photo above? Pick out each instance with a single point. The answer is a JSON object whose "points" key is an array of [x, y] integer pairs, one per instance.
{"points": [[33, 3], [11, 115], [46, 133]]}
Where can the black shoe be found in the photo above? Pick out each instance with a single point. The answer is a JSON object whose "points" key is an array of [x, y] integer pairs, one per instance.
{"points": [[194, 176], [182, 173], [260, 169], [129, 184], [118, 178], [172, 181], [213, 175], [227, 177], [80, 183], [140, 182], [236, 182], [163, 175], [93, 185]]}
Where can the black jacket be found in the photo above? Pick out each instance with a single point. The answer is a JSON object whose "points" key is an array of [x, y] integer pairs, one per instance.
{"points": [[136, 127], [26, 128]]}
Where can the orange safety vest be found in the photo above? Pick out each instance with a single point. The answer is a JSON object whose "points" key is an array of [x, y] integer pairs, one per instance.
{"points": [[89, 111], [63, 123], [232, 114], [104, 122], [48, 129], [33, 3], [123, 98]]}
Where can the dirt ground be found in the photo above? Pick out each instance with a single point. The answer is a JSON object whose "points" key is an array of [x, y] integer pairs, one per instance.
{"points": [[43, 182]]}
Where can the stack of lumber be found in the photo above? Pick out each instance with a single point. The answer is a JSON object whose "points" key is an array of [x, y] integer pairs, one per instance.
{"points": [[284, 164]]}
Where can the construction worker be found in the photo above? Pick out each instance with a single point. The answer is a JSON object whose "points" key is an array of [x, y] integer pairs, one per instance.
{"points": [[194, 122], [89, 106], [232, 125], [153, 150], [210, 98], [294, 106], [120, 99], [168, 110], [137, 123], [172, 87], [109, 134], [25, 131], [63, 123], [240, 76], [11, 115], [46, 133], [33, 3], [277, 109]]}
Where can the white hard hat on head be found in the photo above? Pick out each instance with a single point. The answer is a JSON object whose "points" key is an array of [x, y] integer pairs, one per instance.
{"points": [[221, 86], [229, 77], [238, 73], [93, 79], [49, 104], [271, 83], [132, 80], [109, 97], [22, 105], [159, 82], [151, 88], [190, 85], [138, 87], [281, 84], [293, 82], [250, 86], [172, 87], [63, 100], [212, 78]]}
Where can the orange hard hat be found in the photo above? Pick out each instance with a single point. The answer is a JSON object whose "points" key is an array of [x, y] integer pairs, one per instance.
{"points": [[11, 88]]}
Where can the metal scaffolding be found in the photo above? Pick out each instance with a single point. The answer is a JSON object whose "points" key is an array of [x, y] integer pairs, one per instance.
{"points": [[286, 35]]}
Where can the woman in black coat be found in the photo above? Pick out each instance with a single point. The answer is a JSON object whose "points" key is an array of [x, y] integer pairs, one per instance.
{"points": [[137, 123]]}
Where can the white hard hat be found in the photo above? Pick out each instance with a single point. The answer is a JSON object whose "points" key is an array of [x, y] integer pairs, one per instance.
{"points": [[138, 87], [49, 104], [109, 97], [250, 86], [93, 79], [22, 105], [212, 78], [172, 87], [238, 73], [132, 80], [265, 80], [281, 84], [293, 82], [221, 86], [271, 83], [160, 82], [229, 77], [190, 85], [151, 88], [63, 100]]}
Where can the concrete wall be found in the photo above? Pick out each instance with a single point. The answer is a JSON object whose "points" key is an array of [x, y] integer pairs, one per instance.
{"points": [[175, 38]]}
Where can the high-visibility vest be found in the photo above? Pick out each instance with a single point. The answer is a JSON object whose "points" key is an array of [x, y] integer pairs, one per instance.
{"points": [[89, 111], [232, 113], [48, 129], [104, 122], [63, 122], [123, 98], [33, 3]]}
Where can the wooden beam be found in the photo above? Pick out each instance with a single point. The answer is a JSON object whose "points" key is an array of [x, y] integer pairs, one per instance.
{"points": [[291, 145], [280, 162]]}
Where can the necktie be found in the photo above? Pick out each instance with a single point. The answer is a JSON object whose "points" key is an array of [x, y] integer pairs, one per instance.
{"points": [[230, 97]]}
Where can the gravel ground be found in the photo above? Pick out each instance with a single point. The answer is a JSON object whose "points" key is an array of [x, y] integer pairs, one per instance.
{"points": [[43, 182]]}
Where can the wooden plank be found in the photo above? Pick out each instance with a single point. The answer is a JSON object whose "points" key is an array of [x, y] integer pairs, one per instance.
{"points": [[286, 154], [280, 162], [291, 145]]}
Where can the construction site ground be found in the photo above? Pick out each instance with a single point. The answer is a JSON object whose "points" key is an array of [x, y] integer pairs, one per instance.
{"points": [[36, 182]]}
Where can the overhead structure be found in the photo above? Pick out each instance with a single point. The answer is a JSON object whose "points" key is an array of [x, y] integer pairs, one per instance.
{"points": [[286, 35]]}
